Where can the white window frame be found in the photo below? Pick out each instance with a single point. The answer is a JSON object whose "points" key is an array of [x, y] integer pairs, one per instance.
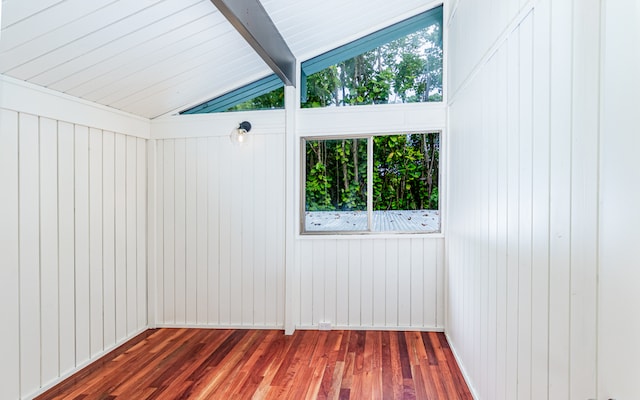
{"points": [[370, 143]]}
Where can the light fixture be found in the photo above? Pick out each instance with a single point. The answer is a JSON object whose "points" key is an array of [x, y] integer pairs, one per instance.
{"points": [[239, 134]]}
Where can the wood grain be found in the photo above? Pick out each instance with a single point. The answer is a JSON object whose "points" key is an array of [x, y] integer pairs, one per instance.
{"points": [[266, 364]]}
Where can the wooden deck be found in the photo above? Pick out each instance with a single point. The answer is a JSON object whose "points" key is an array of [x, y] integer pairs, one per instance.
{"points": [[266, 364]]}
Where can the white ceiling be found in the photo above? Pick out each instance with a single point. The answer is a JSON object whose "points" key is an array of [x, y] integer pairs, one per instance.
{"points": [[153, 57]]}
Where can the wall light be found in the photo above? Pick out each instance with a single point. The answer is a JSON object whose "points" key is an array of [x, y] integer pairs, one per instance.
{"points": [[239, 134]]}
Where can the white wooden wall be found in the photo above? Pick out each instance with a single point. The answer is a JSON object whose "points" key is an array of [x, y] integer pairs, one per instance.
{"points": [[522, 237], [365, 283], [220, 230], [375, 281], [619, 297], [72, 247]]}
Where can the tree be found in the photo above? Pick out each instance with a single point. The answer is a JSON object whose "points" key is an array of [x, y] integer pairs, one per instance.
{"points": [[405, 173], [404, 70]]}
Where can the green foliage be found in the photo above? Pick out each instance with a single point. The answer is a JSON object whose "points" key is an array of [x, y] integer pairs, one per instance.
{"points": [[405, 70], [405, 173], [336, 175], [322, 88], [273, 99]]}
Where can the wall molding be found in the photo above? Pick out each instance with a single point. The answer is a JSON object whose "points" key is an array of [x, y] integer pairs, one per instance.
{"points": [[24, 97]]}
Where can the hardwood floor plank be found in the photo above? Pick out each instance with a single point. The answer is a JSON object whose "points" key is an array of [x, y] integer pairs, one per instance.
{"points": [[265, 364]]}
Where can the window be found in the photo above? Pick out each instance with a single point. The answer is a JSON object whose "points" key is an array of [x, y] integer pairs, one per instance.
{"points": [[263, 94], [399, 64], [374, 183]]}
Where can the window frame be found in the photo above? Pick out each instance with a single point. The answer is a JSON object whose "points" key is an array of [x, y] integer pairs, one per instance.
{"points": [[370, 162]]}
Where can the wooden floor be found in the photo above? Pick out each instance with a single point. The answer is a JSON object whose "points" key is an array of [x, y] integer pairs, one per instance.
{"points": [[263, 364]]}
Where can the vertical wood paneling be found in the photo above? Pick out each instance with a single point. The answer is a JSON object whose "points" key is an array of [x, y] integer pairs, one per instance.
{"points": [[342, 282], [523, 205], [306, 284], [369, 283], [81, 181], [330, 273], [526, 166], [490, 131], [261, 207], [109, 238], [357, 285], [540, 241], [151, 232], [121, 235], [247, 228], [379, 288], [49, 286], [141, 229], [364, 273], [422, 285], [391, 280], [233, 225], [131, 236], [584, 194], [317, 287], [9, 248], [191, 217], [202, 238], [215, 241], [219, 203], [168, 231], [618, 275], [238, 251], [180, 232], [160, 262], [66, 229], [513, 151], [58, 231], [276, 233], [223, 194], [404, 283], [95, 242], [30, 325], [560, 203]]}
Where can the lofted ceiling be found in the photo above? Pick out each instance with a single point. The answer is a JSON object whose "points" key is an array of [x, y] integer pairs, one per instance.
{"points": [[154, 57]]}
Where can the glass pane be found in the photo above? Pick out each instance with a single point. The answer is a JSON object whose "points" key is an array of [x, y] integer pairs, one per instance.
{"points": [[267, 101], [336, 185], [405, 70], [405, 183]]}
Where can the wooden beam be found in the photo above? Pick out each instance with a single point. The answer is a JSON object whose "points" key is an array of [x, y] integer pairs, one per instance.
{"points": [[254, 24]]}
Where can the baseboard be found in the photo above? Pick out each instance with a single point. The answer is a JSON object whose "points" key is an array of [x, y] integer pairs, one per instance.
{"points": [[374, 328], [195, 326], [462, 368]]}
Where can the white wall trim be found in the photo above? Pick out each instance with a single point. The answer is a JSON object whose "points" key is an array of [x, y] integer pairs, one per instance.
{"points": [[209, 326], [383, 118], [20, 96], [374, 328], [266, 122]]}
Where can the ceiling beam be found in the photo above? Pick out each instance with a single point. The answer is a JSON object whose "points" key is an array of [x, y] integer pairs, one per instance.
{"points": [[254, 24]]}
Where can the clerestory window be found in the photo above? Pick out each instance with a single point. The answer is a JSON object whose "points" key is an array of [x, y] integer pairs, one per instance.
{"points": [[399, 64]]}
